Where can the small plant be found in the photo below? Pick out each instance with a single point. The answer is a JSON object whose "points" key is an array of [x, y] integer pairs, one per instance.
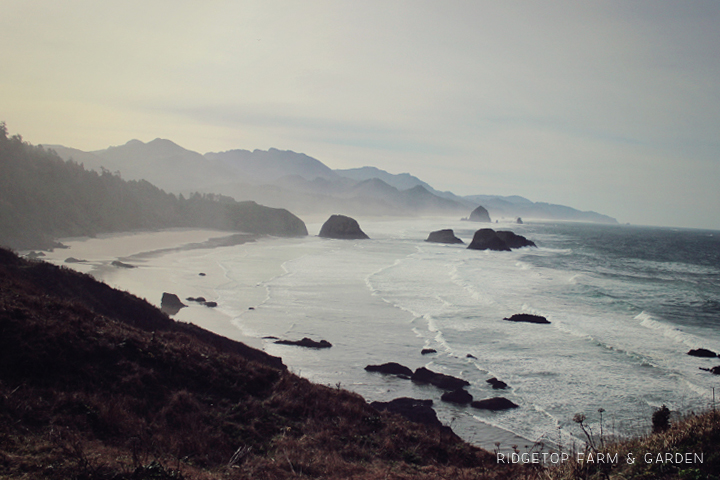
{"points": [[661, 419]]}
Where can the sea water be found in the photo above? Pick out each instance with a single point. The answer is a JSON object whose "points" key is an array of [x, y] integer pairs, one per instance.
{"points": [[625, 305]]}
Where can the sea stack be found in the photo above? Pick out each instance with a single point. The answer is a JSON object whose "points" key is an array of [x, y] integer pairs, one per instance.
{"points": [[480, 214], [342, 227], [443, 236]]}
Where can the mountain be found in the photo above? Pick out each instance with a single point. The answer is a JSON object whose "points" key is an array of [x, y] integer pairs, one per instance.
{"points": [[43, 197], [303, 184]]}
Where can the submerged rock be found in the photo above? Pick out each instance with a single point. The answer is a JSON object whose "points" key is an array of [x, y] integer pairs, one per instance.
{"points": [[713, 370], [390, 368], [427, 351], [494, 404], [443, 236], [527, 318], [440, 380], [74, 260], [119, 264], [702, 352], [306, 342], [342, 227]]}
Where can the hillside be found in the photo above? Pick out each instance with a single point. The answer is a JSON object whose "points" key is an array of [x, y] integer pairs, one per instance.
{"points": [[98, 384], [43, 197]]}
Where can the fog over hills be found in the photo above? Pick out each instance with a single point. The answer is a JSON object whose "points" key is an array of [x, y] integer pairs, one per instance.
{"points": [[302, 184]]}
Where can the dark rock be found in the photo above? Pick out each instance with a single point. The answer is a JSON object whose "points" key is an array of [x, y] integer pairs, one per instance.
{"points": [[519, 221], [494, 404], [514, 241], [391, 368], [443, 236], [210, 304], [270, 337], [170, 303], [480, 214], [427, 351], [487, 239], [418, 411], [119, 264], [251, 308], [497, 384], [470, 355], [440, 380], [702, 352], [198, 299], [201, 274], [306, 342], [74, 260], [342, 227], [457, 396], [713, 370], [526, 317]]}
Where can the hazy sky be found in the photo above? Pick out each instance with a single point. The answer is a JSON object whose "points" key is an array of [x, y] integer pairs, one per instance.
{"points": [[606, 106]]}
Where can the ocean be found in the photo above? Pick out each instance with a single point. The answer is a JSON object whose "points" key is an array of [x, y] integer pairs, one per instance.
{"points": [[625, 304]]}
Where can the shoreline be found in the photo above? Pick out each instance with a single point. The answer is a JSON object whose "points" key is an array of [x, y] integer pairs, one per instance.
{"points": [[172, 261]]}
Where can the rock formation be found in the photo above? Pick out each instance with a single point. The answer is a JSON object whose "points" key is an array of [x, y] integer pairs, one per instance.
{"points": [[306, 342], [527, 318], [480, 214], [443, 236], [440, 380], [427, 351], [419, 411], [702, 352], [170, 303], [503, 240], [391, 368], [487, 239], [459, 396], [494, 404], [497, 384], [342, 227]]}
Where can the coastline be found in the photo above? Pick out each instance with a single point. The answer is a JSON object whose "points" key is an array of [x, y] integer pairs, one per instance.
{"points": [[172, 260]]}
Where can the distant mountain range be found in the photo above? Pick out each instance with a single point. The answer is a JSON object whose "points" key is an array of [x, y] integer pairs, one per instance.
{"points": [[302, 184]]}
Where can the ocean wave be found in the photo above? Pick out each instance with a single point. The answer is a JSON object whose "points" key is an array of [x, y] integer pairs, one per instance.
{"points": [[670, 331]]}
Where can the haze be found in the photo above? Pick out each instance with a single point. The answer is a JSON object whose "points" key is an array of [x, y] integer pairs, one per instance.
{"points": [[605, 106]]}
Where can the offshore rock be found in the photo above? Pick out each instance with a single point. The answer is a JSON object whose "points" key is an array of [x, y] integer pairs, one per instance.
{"points": [[440, 380], [480, 214], [306, 342], [418, 411], [513, 240], [527, 318], [390, 368], [342, 227], [458, 396], [443, 236], [702, 352], [487, 239], [497, 384], [494, 404], [170, 303]]}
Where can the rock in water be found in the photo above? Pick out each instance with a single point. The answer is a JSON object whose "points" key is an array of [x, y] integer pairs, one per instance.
{"points": [[480, 214], [440, 380], [494, 404], [391, 368], [171, 303], [497, 384], [515, 241], [487, 239], [702, 352], [527, 318], [443, 236], [306, 342], [342, 227], [458, 396]]}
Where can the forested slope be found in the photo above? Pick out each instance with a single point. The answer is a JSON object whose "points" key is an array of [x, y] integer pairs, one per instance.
{"points": [[43, 197]]}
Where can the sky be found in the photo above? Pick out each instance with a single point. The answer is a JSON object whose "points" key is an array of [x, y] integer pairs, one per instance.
{"points": [[610, 106]]}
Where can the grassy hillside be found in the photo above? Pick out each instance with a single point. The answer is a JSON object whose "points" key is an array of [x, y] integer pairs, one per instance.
{"points": [[43, 197], [96, 383]]}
